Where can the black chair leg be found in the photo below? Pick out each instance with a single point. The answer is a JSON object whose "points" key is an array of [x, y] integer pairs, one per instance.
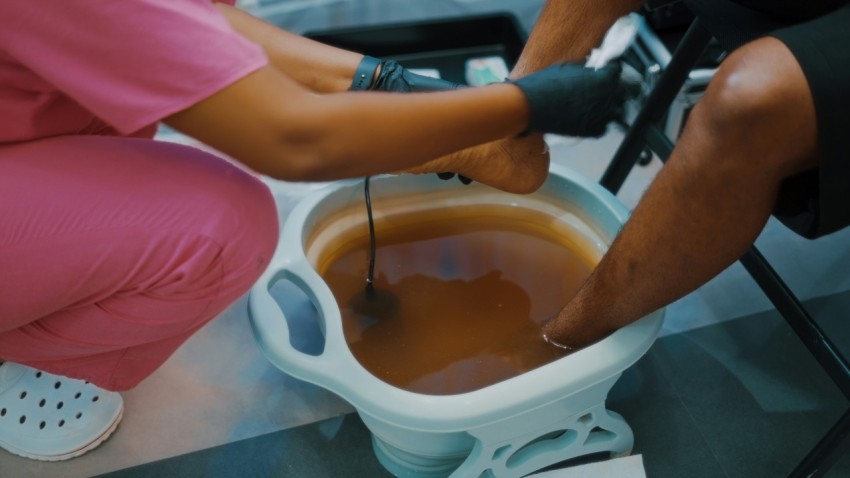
{"points": [[823, 456], [837, 440], [659, 101], [810, 333]]}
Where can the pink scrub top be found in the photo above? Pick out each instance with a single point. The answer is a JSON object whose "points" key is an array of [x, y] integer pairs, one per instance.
{"points": [[70, 67]]}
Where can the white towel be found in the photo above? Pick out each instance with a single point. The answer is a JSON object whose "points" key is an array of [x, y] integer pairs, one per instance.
{"points": [[617, 40]]}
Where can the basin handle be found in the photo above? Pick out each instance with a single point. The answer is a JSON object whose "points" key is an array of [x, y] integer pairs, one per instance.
{"points": [[271, 330]]}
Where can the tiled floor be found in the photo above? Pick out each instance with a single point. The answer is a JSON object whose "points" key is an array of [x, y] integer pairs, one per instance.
{"points": [[726, 391]]}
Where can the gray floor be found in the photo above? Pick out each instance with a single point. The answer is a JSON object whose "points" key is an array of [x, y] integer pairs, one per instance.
{"points": [[741, 398], [727, 389]]}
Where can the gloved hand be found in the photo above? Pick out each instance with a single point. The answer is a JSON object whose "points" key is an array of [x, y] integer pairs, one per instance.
{"points": [[394, 77], [574, 100]]}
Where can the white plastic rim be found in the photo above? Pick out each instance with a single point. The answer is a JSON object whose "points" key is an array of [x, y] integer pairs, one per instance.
{"points": [[337, 370]]}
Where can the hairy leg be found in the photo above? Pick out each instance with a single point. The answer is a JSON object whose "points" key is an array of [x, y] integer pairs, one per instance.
{"points": [[754, 127], [566, 31]]}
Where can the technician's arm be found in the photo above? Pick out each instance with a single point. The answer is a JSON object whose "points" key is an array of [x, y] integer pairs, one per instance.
{"points": [[277, 127], [317, 66]]}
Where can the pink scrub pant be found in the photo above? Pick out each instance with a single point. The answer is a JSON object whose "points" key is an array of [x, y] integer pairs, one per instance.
{"points": [[114, 251]]}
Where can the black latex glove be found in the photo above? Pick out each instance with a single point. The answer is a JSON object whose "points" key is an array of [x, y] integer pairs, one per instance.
{"points": [[394, 77], [573, 100]]}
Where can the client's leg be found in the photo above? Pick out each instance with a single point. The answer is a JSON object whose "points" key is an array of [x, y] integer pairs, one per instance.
{"points": [[566, 31], [754, 127], [114, 251]]}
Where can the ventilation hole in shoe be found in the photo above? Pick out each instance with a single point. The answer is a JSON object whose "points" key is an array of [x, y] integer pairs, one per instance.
{"points": [[95, 398], [79, 415], [61, 423], [22, 419], [59, 405], [41, 425], [38, 375], [42, 402], [87, 382], [78, 395], [57, 385], [2, 412], [23, 395]]}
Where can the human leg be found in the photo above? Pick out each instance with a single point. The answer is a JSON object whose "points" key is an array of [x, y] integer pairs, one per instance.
{"points": [[118, 250], [567, 30], [754, 128]]}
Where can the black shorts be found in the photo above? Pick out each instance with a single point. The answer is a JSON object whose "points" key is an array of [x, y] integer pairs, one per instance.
{"points": [[817, 32]]}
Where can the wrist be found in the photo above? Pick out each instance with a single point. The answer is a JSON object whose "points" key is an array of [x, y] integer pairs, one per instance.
{"points": [[366, 73], [522, 107]]}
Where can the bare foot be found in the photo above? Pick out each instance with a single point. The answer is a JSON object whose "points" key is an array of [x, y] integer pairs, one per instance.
{"points": [[561, 335], [564, 331], [516, 165]]}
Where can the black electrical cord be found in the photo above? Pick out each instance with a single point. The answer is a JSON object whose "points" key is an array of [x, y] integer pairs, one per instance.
{"points": [[371, 275]]}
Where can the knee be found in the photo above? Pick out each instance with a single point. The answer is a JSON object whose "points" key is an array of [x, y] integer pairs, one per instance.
{"points": [[245, 225], [743, 97], [758, 106]]}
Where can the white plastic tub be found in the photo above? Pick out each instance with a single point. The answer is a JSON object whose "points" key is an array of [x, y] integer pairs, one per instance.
{"points": [[511, 428]]}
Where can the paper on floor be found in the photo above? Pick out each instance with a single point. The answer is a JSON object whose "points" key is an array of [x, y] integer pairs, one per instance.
{"points": [[626, 467]]}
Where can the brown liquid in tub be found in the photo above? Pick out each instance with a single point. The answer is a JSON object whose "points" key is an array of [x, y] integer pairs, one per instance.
{"points": [[474, 286]]}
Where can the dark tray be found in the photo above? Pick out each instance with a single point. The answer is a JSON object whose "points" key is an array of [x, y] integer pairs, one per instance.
{"points": [[443, 44]]}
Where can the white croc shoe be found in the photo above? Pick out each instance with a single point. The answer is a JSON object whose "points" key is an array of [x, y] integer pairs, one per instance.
{"points": [[49, 417]]}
